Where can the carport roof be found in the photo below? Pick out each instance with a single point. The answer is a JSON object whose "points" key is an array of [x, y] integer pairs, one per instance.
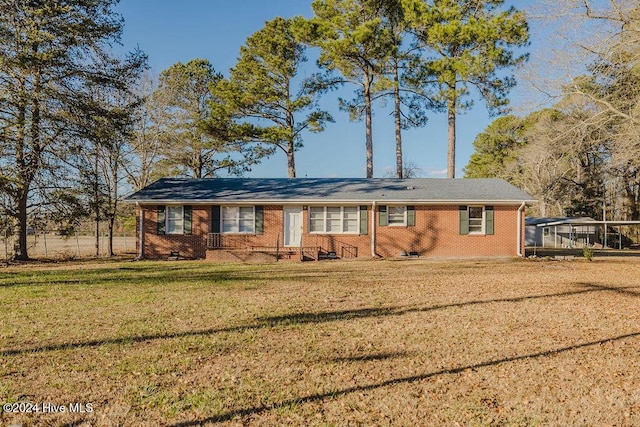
{"points": [[549, 222]]}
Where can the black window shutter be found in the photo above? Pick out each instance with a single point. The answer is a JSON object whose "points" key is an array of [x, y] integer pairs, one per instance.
{"points": [[383, 219], [464, 220], [489, 224], [215, 219], [411, 215], [259, 218], [364, 220], [162, 219], [187, 211]]}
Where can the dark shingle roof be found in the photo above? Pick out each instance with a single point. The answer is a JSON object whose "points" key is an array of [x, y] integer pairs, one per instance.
{"points": [[188, 190]]}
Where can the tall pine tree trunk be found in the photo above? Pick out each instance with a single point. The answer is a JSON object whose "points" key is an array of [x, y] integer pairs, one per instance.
{"points": [[368, 113], [22, 190], [198, 164], [451, 137], [291, 161], [22, 254], [398, 120], [291, 144], [27, 163]]}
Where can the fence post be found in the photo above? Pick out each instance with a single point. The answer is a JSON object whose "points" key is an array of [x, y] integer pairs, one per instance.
{"points": [[77, 246], [44, 239]]}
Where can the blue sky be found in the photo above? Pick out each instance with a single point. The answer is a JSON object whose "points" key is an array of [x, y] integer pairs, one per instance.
{"points": [[169, 31]]}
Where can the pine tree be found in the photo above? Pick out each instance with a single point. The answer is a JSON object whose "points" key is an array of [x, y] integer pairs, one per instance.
{"points": [[353, 41], [262, 87], [469, 44]]}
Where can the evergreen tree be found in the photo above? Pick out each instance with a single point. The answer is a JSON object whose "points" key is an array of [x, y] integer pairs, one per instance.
{"points": [[496, 148], [262, 87], [50, 51], [469, 43], [401, 77], [198, 138], [353, 41]]}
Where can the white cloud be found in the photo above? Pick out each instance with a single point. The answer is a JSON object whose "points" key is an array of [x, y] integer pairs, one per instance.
{"points": [[438, 172]]}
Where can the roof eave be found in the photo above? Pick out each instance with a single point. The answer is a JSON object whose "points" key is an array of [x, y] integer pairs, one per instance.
{"points": [[324, 201]]}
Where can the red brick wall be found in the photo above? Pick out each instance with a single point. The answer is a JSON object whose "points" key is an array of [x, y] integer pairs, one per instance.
{"points": [[189, 246], [436, 234], [195, 245]]}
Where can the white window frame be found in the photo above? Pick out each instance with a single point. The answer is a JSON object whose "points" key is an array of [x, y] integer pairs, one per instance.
{"points": [[397, 223], [483, 224], [236, 219], [342, 219], [180, 220]]}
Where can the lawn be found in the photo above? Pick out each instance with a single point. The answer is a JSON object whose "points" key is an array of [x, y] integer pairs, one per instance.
{"points": [[412, 342]]}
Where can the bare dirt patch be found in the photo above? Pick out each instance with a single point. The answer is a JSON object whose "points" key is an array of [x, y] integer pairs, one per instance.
{"points": [[330, 343]]}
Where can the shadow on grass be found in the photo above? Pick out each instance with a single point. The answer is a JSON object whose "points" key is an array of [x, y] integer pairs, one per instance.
{"points": [[256, 410], [266, 322], [118, 276], [370, 357], [315, 318], [321, 317], [147, 274], [619, 290]]}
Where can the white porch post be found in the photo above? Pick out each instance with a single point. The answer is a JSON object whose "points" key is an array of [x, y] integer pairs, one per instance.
{"points": [[519, 237]]}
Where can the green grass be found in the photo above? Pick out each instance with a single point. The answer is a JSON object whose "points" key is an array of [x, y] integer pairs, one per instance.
{"points": [[327, 343]]}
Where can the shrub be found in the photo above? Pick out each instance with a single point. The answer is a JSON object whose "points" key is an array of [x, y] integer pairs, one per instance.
{"points": [[587, 252]]}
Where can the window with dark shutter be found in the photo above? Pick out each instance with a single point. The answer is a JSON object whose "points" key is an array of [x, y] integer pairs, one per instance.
{"points": [[161, 220], [489, 222], [464, 220], [397, 215], [215, 219], [259, 218], [187, 213]]}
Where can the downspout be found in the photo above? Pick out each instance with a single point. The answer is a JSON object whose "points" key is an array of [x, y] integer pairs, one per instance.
{"points": [[373, 229], [140, 232], [519, 239]]}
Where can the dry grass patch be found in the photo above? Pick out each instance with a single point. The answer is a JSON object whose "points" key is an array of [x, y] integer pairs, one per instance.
{"points": [[330, 343]]}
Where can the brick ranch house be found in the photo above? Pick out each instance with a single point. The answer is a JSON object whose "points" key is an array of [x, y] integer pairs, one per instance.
{"points": [[304, 218]]}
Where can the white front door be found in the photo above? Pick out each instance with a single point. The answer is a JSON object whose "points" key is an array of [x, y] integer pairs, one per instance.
{"points": [[292, 226]]}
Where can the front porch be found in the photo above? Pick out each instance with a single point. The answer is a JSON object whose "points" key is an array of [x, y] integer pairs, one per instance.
{"points": [[241, 248]]}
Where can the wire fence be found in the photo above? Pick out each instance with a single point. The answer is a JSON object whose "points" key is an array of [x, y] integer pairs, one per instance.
{"points": [[50, 245]]}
